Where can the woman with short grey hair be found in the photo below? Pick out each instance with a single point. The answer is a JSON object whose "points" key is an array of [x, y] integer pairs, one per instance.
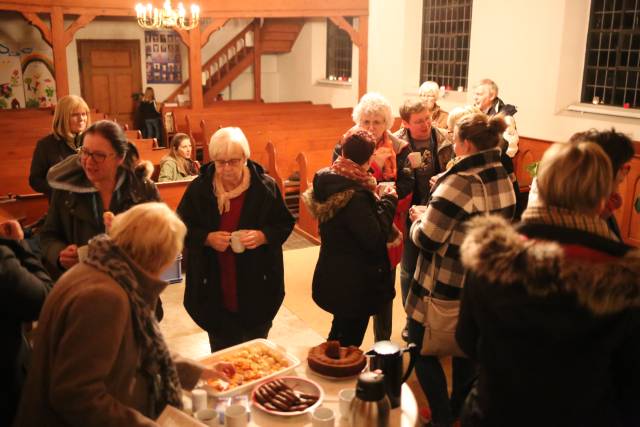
{"points": [[234, 291]]}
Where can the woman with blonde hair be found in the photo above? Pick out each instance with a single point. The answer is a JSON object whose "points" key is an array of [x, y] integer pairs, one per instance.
{"points": [[429, 92], [551, 311], [237, 222], [70, 119], [149, 116], [177, 165], [99, 356]]}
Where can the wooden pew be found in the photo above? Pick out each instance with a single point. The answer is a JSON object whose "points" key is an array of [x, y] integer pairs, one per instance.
{"points": [[133, 134], [26, 208], [309, 163], [171, 192]]}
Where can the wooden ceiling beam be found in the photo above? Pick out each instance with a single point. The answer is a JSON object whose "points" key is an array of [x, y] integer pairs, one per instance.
{"points": [[79, 23], [215, 25], [35, 20]]}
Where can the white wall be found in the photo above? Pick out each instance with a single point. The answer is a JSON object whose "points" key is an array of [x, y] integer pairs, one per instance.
{"points": [[300, 70], [535, 52]]}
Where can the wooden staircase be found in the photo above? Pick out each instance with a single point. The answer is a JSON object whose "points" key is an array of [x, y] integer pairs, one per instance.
{"points": [[276, 36]]}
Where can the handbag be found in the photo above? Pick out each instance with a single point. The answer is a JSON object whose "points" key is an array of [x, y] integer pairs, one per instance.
{"points": [[394, 246], [441, 317]]}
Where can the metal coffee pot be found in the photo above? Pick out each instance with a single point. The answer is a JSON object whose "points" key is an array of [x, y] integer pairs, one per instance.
{"points": [[370, 407], [387, 357]]}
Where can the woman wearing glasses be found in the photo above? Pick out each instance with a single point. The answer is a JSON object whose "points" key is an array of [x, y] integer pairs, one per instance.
{"points": [[69, 121], [85, 186], [236, 224]]}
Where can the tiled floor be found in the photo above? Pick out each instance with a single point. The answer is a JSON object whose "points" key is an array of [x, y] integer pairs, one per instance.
{"points": [[185, 337]]}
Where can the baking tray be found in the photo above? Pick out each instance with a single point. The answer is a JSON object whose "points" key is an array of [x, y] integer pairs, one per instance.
{"points": [[259, 343]]}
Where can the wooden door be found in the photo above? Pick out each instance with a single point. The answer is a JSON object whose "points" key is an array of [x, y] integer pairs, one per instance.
{"points": [[109, 76]]}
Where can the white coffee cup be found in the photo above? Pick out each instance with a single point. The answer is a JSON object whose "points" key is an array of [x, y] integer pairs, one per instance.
{"points": [[236, 245], [415, 159], [199, 399], [83, 251], [207, 416], [345, 396], [323, 417], [236, 416]]}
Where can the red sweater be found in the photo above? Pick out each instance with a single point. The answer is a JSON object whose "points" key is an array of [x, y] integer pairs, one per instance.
{"points": [[227, 259]]}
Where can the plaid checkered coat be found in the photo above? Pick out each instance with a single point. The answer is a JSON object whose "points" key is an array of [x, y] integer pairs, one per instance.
{"points": [[477, 183]]}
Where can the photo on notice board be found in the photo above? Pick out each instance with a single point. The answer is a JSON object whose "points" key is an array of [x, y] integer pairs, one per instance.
{"points": [[162, 49]]}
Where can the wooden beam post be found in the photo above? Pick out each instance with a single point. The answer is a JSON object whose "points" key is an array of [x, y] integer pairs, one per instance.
{"points": [[257, 63], [195, 69], [363, 54], [59, 52]]}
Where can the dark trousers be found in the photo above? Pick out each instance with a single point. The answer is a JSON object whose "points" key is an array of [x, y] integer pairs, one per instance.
{"points": [[348, 330], [408, 263], [383, 319], [433, 381], [153, 129], [234, 331]]}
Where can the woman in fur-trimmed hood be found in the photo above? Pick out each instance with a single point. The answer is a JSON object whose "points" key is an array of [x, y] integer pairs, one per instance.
{"points": [[351, 279], [550, 311]]}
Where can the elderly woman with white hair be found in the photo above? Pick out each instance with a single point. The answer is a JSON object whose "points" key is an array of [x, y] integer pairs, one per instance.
{"points": [[99, 357], [234, 290], [429, 92], [389, 163]]}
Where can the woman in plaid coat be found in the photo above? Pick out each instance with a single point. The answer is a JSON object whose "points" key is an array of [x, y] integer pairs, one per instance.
{"points": [[477, 183]]}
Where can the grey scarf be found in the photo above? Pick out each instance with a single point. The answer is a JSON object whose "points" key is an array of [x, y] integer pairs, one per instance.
{"points": [[155, 362]]}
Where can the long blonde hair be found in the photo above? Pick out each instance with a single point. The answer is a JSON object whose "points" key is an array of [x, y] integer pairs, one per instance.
{"points": [[62, 116]]}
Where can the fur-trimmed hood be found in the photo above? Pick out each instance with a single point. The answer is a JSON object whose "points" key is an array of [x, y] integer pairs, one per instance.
{"points": [[329, 194], [494, 251], [326, 210]]}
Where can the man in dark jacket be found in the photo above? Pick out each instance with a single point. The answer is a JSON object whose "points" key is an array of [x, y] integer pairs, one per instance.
{"points": [[434, 151], [25, 284]]}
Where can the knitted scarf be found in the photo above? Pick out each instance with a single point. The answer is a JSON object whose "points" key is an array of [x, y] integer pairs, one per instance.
{"points": [[155, 362], [353, 171], [224, 197], [552, 215]]}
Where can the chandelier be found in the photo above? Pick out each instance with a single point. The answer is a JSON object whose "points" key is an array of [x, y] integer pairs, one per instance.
{"points": [[153, 18]]}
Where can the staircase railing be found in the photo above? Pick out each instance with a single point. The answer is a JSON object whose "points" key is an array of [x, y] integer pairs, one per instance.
{"points": [[221, 61]]}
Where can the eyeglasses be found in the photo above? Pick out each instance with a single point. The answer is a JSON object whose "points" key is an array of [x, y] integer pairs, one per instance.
{"points": [[96, 156], [230, 162]]}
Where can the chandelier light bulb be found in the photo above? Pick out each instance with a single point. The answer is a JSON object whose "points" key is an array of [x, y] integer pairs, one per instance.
{"points": [[167, 17]]}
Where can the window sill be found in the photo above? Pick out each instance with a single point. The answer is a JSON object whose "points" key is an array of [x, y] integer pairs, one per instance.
{"points": [[605, 110], [325, 82]]}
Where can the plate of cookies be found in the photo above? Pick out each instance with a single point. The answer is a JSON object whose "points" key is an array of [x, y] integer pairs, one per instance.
{"points": [[287, 396]]}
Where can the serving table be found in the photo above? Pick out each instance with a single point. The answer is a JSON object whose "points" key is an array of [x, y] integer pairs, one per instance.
{"points": [[297, 339]]}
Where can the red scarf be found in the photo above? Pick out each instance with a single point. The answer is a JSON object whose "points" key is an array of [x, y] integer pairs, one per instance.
{"points": [[353, 171]]}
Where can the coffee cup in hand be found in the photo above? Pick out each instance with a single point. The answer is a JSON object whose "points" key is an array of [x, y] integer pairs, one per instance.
{"points": [[415, 159], [236, 244]]}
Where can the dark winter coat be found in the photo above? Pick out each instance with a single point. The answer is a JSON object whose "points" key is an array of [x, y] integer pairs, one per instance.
{"points": [[25, 284], [76, 213], [552, 317], [49, 151], [352, 274], [260, 271]]}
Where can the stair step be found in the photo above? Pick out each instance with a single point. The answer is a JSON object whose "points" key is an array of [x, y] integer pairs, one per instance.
{"points": [[289, 27], [277, 46], [279, 35]]}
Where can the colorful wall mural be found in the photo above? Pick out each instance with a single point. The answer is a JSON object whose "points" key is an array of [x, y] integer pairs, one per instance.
{"points": [[26, 78]]}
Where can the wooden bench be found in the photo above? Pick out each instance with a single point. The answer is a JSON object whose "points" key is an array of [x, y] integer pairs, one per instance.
{"points": [[309, 163]]}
